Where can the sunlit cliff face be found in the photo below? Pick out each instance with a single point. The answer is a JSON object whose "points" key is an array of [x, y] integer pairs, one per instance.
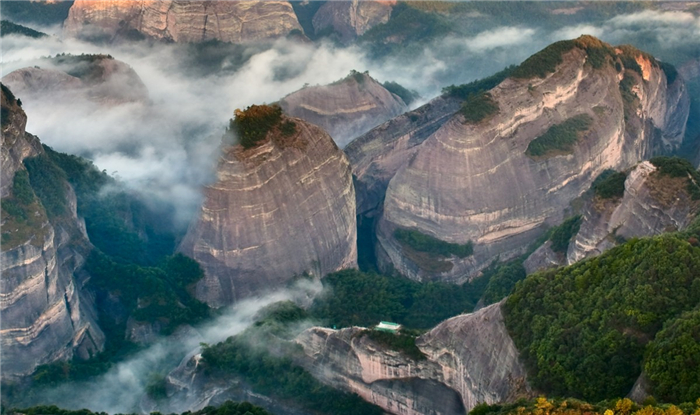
{"points": [[181, 21]]}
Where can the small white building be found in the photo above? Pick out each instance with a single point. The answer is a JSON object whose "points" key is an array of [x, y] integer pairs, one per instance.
{"points": [[388, 327]]}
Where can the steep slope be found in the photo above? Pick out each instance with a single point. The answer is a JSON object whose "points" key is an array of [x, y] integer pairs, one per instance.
{"points": [[347, 108], [97, 78], [512, 159], [351, 19], [469, 359], [652, 204], [46, 314], [283, 207], [180, 21]]}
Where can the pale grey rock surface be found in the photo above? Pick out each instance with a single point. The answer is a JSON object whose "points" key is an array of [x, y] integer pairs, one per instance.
{"points": [[543, 258], [117, 84], [351, 19], [474, 182], [469, 359], [275, 212], [651, 205], [181, 21], [345, 109], [46, 313]]}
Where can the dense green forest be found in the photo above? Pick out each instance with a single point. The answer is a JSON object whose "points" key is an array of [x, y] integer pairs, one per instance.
{"points": [[131, 260], [8, 28], [227, 408], [583, 330], [265, 360], [355, 298]]}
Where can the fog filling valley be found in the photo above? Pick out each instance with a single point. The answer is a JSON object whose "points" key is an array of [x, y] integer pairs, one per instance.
{"points": [[167, 148]]}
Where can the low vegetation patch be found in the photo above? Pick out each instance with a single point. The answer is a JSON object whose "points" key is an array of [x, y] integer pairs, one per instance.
{"points": [[470, 89], [22, 216], [252, 125], [426, 243], [479, 107], [678, 167], [406, 95], [8, 28], [562, 234], [610, 184], [400, 342], [559, 138]]}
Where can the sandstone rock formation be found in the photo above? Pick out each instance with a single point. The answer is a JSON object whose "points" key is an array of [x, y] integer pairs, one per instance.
{"points": [[347, 108], [181, 21], [351, 19], [652, 204], [469, 359], [282, 208], [68, 79], [473, 181], [46, 314]]}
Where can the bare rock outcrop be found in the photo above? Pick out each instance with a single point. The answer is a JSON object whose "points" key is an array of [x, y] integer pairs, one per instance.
{"points": [[181, 21], [347, 108], [282, 208], [651, 204], [469, 359], [475, 181], [351, 19], [69, 79], [46, 314]]}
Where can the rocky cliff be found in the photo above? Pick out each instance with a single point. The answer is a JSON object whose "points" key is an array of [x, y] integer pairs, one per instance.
{"points": [[477, 179], [347, 108], [351, 19], [652, 204], [469, 359], [46, 314], [96, 78], [181, 21], [281, 208]]}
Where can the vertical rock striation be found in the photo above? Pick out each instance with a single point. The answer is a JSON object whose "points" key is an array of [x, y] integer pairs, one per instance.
{"points": [[181, 21], [469, 359], [46, 314], [347, 108], [651, 204], [351, 19], [475, 180], [282, 208]]}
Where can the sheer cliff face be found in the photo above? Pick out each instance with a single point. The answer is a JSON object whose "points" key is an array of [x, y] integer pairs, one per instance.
{"points": [[46, 316], [652, 204], [351, 18], [277, 210], [181, 21], [345, 109], [470, 359], [474, 181]]}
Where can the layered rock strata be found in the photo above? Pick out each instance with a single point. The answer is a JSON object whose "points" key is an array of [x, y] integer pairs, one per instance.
{"points": [[351, 19], [475, 181], [277, 210], [181, 21], [469, 359], [652, 204], [347, 108], [46, 314]]}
